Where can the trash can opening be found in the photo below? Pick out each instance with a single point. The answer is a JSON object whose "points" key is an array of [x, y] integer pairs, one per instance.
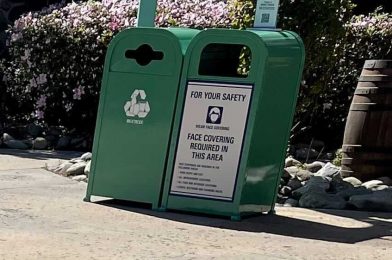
{"points": [[144, 55], [225, 60]]}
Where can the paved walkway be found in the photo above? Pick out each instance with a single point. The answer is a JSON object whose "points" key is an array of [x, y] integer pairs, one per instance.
{"points": [[42, 216]]}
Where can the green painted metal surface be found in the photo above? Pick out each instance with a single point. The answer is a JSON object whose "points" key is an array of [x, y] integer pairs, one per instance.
{"points": [[146, 13], [138, 97], [277, 59]]}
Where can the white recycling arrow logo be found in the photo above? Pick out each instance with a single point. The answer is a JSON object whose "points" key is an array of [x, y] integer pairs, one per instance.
{"points": [[138, 106]]}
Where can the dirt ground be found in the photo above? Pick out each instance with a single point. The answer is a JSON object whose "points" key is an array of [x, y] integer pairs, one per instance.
{"points": [[42, 216]]}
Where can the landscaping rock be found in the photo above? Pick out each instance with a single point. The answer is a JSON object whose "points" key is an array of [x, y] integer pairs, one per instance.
{"points": [[76, 169], [337, 185], [322, 200], [55, 131], [34, 130], [380, 187], [286, 191], [86, 156], [7, 137], [88, 168], [386, 180], [294, 184], [304, 175], [292, 170], [79, 143], [76, 160], [291, 162], [40, 143], [28, 142], [286, 175], [64, 167], [315, 184], [346, 194], [377, 201], [63, 143], [314, 166], [281, 199], [16, 144], [80, 178], [370, 185], [328, 171], [302, 153], [353, 181], [291, 203], [52, 167], [51, 139]]}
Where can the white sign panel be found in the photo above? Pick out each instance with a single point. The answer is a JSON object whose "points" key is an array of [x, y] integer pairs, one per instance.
{"points": [[266, 13], [210, 142]]}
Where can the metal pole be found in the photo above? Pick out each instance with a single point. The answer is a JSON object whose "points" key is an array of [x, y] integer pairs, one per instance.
{"points": [[146, 13]]}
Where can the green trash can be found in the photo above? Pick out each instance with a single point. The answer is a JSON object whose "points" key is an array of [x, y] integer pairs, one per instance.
{"points": [[135, 118], [231, 129]]}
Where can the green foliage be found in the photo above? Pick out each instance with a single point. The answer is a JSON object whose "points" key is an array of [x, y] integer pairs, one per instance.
{"points": [[56, 56], [338, 158], [366, 38]]}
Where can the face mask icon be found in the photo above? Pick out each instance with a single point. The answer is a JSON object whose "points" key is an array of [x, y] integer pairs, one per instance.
{"points": [[215, 115]]}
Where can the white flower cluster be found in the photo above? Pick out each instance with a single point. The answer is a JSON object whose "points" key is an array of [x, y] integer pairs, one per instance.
{"points": [[57, 55]]}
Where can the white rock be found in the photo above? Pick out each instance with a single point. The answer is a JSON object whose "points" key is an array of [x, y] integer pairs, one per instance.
{"points": [[86, 156], [329, 170], [7, 137], [40, 143], [53, 167], [372, 184], [80, 178], [353, 181], [88, 168], [63, 168], [380, 187], [76, 169], [314, 166], [76, 160], [302, 175], [290, 161]]}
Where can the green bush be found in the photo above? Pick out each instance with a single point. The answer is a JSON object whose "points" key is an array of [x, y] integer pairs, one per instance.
{"points": [[337, 45], [55, 66], [366, 38], [321, 26], [54, 70]]}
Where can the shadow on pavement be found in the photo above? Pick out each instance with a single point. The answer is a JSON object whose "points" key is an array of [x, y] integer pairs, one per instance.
{"points": [[41, 155], [376, 223]]}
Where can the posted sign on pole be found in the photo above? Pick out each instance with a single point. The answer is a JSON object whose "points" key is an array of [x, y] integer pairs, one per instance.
{"points": [[266, 13]]}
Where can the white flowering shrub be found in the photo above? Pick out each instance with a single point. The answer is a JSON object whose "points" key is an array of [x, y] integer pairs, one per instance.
{"points": [[366, 38], [54, 69]]}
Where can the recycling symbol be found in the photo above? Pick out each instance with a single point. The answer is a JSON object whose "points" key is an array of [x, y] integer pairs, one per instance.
{"points": [[138, 106]]}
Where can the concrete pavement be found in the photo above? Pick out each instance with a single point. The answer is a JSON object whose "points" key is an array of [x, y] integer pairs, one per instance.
{"points": [[42, 216]]}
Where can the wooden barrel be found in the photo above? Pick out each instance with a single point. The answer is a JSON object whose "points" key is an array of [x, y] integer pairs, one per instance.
{"points": [[367, 144]]}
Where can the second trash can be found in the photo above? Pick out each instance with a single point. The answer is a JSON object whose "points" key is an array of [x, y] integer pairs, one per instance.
{"points": [[232, 128], [138, 97]]}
